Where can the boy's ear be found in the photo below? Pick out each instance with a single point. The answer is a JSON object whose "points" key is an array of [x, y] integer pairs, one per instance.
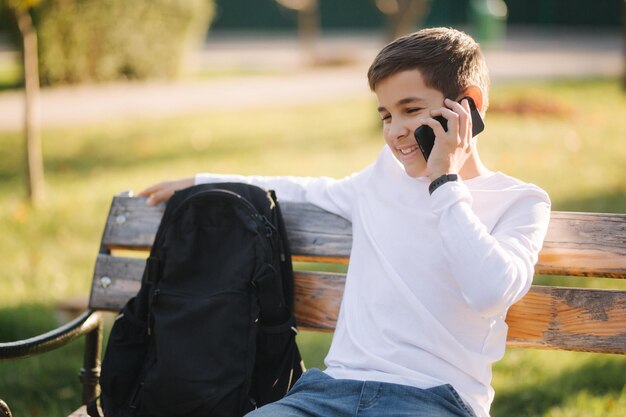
{"points": [[476, 94]]}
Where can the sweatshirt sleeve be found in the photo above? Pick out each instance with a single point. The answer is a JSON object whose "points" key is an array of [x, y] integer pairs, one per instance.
{"points": [[494, 269], [334, 195]]}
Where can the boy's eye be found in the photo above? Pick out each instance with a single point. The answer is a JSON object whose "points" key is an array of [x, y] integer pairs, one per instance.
{"points": [[413, 110], [385, 117]]}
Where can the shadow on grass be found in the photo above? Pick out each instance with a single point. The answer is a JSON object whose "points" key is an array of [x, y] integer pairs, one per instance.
{"points": [[599, 376], [11, 85], [98, 157], [96, 151], [211, 136]]}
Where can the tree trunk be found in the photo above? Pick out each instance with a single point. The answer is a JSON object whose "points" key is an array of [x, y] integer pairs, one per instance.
{"points": [[411, 14], [403, 16], [308, 23], [308, 27], [624, 45], [34, 159]]}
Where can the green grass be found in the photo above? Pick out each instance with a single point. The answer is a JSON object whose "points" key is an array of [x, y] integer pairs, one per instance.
{"points": [[576, 153], [45, 385], [572, 147], [550, 383], [10, 75]]}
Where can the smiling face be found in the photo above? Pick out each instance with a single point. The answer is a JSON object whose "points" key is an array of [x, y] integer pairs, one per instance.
{"points": [[403, 98]]}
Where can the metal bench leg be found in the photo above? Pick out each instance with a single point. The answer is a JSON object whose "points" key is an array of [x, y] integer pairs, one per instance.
{"points": [[4, 410], [90, 373]]}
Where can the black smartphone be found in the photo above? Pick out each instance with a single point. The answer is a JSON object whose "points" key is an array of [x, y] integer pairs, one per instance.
{"points": [[425, 136]]}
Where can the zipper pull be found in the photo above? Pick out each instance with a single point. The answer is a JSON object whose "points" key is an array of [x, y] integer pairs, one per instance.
{"points": [[269, 227]]}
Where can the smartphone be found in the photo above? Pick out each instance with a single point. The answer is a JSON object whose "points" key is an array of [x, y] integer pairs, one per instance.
{"points": [[425, 136]]}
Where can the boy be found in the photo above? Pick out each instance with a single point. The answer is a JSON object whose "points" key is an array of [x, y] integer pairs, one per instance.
{"points": [[441, 248]]}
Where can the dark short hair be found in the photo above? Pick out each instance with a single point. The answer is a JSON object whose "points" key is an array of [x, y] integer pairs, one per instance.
{"points": [[448, 59]]}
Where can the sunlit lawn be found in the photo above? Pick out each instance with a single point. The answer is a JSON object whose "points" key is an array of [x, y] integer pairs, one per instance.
{"points": [[10, 74], [573, 147]]}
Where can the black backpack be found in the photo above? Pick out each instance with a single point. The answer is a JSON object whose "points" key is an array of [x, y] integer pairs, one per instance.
{"points": [[211, 332]]}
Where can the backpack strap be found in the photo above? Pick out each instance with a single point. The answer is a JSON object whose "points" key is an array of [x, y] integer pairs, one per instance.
{"points": [[273, 310], [153, 270], [93, 408], [286, 266], [271, 284]]}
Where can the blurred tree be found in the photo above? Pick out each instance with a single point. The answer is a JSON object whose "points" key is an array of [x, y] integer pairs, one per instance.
{"points": [[403, 16], [73, 41], [308, 21], [104, 40], [21, 9], [624, 43]]}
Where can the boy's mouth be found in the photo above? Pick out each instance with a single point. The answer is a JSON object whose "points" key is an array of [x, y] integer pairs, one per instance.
{"points": [[406, 151]]}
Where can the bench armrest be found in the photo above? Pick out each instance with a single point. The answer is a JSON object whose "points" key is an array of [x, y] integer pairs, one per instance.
{"points": [[85, 323], [89, 324]]}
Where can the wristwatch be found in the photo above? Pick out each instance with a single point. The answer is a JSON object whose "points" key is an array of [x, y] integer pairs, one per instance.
{"points": [[440, 181]]}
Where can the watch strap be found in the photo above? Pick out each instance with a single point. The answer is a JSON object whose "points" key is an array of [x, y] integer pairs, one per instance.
{"points": [[438, 182]]}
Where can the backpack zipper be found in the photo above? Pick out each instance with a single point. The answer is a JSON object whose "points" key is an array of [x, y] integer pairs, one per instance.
{"points": [[217, 192], [254, 213]]}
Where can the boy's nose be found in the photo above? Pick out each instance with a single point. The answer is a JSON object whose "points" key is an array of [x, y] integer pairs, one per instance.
{"points": [[398, 130]]}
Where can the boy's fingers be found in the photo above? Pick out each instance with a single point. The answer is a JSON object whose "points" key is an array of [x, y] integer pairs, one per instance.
{"points": [[466, 105], [158, 197], [164, 190], [433, 124], [461, 107], [150, 190], [450, 116], [461, 112]]}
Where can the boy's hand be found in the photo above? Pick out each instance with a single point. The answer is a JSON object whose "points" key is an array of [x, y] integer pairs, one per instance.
{"points": [[452, 148], [164, 190]]}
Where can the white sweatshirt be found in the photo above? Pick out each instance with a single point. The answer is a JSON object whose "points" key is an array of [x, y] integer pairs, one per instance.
{"points": [[430, 278]]}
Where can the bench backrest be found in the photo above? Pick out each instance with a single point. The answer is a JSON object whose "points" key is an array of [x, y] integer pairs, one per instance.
{"points": [[577, 244]]}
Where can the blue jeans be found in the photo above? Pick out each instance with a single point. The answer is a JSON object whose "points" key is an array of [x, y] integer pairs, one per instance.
{"points": [[318, 395]]}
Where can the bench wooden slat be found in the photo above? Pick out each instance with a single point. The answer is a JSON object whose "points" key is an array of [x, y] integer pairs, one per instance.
{"points": [[577, 319], [131, 224], [115, 281], [599, 231], [314, 235], [584, 244], [548, 317], [317, 298], [578, 244], [580, 263]]}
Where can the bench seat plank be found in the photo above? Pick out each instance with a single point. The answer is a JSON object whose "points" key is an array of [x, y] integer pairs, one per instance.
{"points": [[547, 318], [578, 244]]}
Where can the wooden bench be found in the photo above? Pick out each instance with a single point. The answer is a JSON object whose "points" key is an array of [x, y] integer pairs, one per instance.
{"points": [[578, 244]]}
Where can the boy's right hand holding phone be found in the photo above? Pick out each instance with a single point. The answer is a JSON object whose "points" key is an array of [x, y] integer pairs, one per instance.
{"points": [[451, 147]]}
